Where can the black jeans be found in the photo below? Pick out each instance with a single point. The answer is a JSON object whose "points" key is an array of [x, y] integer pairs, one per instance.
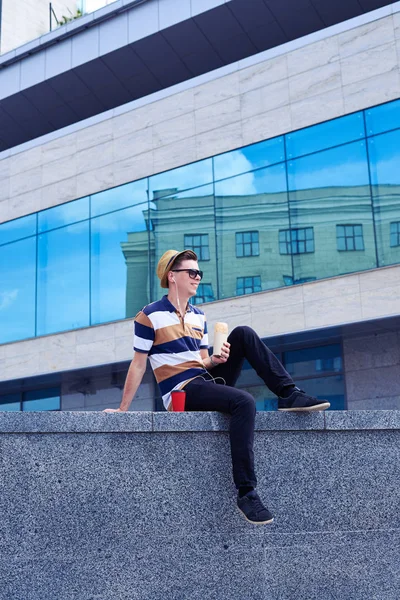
{"points": [[204, 395]]}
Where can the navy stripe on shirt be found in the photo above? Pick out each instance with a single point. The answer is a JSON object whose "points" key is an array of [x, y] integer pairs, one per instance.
{"points": [[168, 384], [182, 344]]}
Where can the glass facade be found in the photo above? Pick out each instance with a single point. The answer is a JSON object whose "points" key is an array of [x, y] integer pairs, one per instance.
{"points": [[35, 400], [318, 370], [315, 203]]}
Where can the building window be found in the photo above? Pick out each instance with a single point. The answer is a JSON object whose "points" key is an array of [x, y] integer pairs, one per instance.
{"points": [[395, 234], [37, 400], [288, 280], [248, 285], [198, 242], [247, 244], [296, 241], [204, 294], [349, 237]]}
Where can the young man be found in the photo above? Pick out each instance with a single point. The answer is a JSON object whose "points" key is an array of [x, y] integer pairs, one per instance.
{"points": [[173, 333]]}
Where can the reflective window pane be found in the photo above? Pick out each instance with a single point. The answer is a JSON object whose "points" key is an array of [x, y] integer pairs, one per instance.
{"points": [[63, 279], [65, 214], [49, 399], [330, 193], [325, 135], [10, 402], [331, 389], [18, 229], [249, 158], [119, 197], [183, 178], [17, 290], [383, 118], [313, 361], [185, 216], [119, 264], [256, 202], [384, 152]]}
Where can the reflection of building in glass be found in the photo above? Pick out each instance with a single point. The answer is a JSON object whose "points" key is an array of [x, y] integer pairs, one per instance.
{"points": [[333, 233]]}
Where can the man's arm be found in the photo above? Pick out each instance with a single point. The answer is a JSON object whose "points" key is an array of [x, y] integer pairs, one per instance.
{"points": [[133, 379]]}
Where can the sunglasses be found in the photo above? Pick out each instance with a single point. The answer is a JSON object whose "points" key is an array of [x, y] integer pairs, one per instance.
{"points": [[193, 273]]}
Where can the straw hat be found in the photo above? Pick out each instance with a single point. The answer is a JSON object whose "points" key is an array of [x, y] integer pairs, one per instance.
{"points": [[165, 264]]}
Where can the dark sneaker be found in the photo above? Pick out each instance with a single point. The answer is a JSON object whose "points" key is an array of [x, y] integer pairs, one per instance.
{"points": [[253, 509], [299, 401]]}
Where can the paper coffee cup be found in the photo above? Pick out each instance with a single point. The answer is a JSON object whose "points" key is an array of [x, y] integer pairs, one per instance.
{"points": [[220, 336], [178, 398]]}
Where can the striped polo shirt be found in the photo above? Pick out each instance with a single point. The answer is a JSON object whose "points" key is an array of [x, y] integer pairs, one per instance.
{"points": [[173, 345]]}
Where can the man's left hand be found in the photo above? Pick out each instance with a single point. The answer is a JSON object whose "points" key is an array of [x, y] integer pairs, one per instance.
{"points": [[225, 351]]}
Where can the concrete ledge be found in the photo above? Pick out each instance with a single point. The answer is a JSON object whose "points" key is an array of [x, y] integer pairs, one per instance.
{"points": [[144, 421]]}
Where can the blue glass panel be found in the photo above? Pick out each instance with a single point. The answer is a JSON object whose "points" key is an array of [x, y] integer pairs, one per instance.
{"points": [[63, 279], [10, 402], [119, 264], [325, 135], [383, 118], [17, 229], [17, 290], [255, 201], [331, 389], [313, 361], [384, 153], [48, 399], [249, 158], [178, 217], [183, 178], [328, 189], [119, 197], [65, 214]]}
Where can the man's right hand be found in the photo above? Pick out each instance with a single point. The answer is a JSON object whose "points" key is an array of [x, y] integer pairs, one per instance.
{"points": [[112, 410]]}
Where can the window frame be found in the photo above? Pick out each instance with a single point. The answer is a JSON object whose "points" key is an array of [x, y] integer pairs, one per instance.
{"points": [[254, 244], [192, 245]]}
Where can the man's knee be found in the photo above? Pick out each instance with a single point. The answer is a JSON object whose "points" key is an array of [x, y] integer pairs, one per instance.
{"points": [[245, 401], [241, 332]]}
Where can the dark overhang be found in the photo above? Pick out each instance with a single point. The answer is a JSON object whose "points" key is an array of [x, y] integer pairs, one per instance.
{"points": [[232, 30]]}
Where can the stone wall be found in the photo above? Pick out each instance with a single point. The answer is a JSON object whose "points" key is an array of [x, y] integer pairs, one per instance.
{"points": [[372, 366], [23, 21], [260, 97], [141, 506]]}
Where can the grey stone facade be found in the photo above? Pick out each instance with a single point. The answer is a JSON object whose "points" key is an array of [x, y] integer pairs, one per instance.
{"points": [[142, 506], [372, 367], [22, 21]]}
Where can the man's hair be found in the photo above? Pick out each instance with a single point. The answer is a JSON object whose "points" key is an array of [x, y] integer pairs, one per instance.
{"points": [[187, 255]]}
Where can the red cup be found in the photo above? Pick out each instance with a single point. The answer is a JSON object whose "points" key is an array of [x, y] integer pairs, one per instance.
{"points": [[178, 401]]}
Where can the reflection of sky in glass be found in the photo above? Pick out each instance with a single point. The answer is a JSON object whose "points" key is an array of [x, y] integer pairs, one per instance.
{"points": [[183, 178], [249, 158], [345, 167], [91, 5], [384, 152], [47, 399], [63, 279], [383, 118], [119, 197], [18, 229], [10, 402], [271, 180], [325, 135], [108, 266], [65, 214], [17, 290]]}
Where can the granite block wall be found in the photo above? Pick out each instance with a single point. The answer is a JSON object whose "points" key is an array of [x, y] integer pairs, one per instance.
{"points": [[142, 506]]}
